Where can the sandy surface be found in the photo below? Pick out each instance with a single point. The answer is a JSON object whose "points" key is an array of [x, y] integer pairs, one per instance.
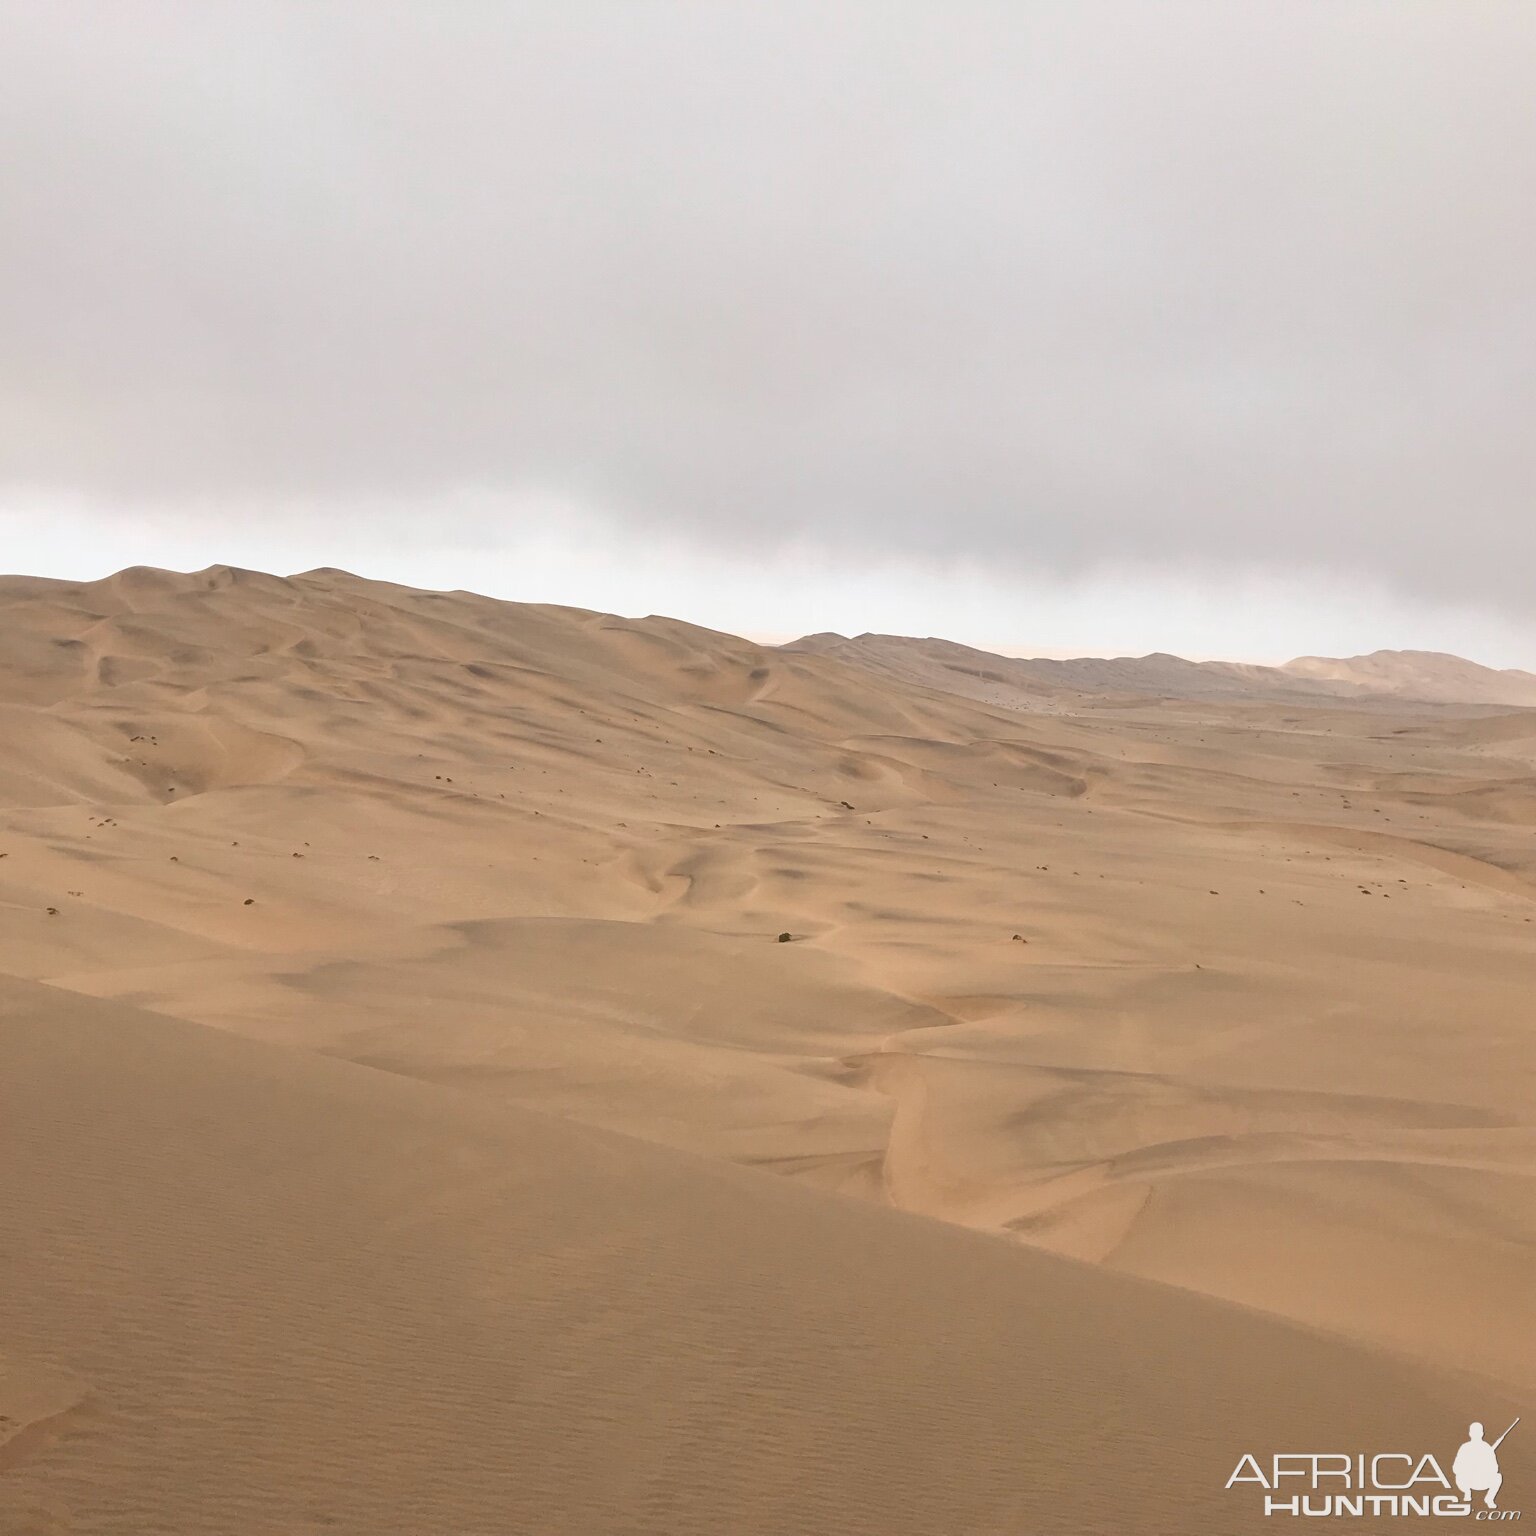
{"points": [[412, 1122]]}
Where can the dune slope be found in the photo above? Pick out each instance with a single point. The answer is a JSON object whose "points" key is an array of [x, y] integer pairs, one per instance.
{"points": [[298, 1294]]}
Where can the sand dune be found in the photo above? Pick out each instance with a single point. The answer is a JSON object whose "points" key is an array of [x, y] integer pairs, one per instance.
{"points": [[421, 1125], [1422, 675], [311, 1296], [1018, 681]]}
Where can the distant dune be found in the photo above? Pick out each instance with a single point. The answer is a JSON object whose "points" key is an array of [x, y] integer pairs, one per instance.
{"points": [[474, 1067], [1424, 676], [1421, 675]]}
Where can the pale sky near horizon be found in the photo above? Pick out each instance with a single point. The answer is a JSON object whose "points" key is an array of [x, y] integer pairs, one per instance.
{"points": [[1089, 326]]}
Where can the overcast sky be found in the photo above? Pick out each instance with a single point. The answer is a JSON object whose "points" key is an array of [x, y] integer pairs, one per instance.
{"points": [[1050, 327]]}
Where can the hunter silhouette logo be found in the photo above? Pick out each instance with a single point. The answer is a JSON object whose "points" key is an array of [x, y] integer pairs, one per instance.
{"points": [[1388, 1483], [1476, 1468]]}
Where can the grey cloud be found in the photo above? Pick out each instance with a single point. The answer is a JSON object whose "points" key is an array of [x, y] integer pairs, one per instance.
{"points": [[1048, 285]]}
